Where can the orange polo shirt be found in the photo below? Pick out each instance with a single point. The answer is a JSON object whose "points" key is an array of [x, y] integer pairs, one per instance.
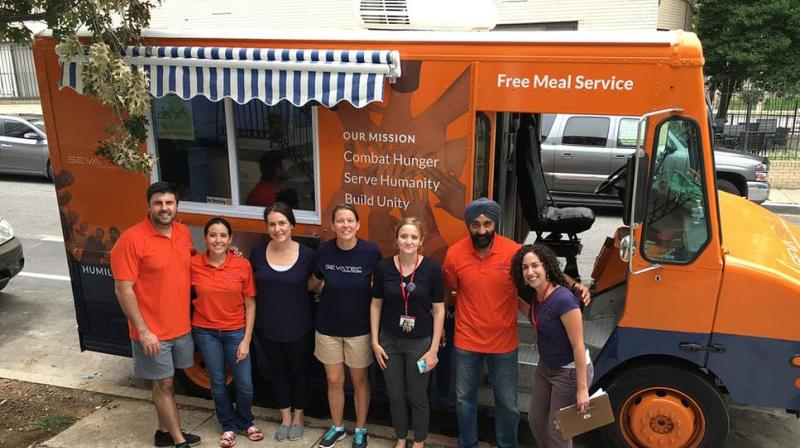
{"points": [[486, 300], [220, 292], [159, 268]]}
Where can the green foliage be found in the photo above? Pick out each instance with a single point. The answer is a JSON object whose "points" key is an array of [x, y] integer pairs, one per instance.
{"points": [[755, 41], [54, 422], [106, 76]]}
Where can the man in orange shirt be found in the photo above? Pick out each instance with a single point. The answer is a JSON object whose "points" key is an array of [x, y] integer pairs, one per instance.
{"points": [[150, 262], [478, 268]]}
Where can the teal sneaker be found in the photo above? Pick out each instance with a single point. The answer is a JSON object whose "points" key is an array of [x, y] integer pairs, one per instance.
{"points": [[360, 438], [333, 435]]}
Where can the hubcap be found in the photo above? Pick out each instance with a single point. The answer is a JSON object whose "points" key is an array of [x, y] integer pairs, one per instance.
{"points": [[662, 417]]}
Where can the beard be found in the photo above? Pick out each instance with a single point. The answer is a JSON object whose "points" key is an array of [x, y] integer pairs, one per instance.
{"points": [[482, 241], [162, 219]]}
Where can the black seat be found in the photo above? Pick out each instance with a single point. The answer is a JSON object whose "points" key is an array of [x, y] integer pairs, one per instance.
{"points": [[543, 215]]}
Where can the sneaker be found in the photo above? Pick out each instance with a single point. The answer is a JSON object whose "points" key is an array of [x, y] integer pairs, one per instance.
{"points": [[332, 436], [360, 438], [164, 439]]}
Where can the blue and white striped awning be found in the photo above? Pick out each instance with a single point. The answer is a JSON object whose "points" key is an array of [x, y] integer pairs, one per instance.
{"points": [[270, 75]]}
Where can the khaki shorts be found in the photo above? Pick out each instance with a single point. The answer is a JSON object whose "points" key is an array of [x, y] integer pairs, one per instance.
{"points": [[355, 352]]}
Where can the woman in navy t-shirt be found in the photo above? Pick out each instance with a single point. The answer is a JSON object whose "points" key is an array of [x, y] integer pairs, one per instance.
{"points": [[345, 265], [407, 320], [283, 325], [564, 372]]}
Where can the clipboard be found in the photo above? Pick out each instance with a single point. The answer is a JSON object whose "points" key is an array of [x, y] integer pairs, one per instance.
{"points": [[572, 423]]}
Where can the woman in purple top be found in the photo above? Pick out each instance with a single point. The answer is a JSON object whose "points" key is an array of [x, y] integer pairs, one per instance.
{"points": [[564, 372]]}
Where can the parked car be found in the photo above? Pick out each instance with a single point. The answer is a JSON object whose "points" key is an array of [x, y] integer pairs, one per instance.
{"points": [[11, 258], [23, 146], [580, 151]]}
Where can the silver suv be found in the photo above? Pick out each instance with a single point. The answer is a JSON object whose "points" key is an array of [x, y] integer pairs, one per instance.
{"points": [[580, 151]]}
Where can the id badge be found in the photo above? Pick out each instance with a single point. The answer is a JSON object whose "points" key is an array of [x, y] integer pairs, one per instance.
{"points": [[407, 323]]}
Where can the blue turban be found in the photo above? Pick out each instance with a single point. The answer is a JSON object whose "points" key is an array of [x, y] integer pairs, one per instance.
{"points": [[482, 206]]}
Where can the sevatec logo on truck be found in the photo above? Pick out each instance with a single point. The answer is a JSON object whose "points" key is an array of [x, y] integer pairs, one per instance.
{"points": [[575, 82]]}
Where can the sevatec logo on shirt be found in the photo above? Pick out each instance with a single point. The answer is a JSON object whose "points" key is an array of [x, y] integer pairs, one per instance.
{"points": [[344, 269]]}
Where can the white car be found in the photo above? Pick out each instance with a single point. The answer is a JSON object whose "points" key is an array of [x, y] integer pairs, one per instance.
{"points": [[11, 258]]}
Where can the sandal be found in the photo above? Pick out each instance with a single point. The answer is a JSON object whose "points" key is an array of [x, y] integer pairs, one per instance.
{"points": [[227, 439], [254, 434]]}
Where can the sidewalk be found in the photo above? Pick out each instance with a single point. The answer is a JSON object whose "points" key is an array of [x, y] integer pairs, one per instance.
{"points": [[129, 421], [783, 201]]}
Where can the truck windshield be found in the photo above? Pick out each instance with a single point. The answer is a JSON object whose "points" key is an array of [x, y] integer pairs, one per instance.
{"points": [[676, 227]]}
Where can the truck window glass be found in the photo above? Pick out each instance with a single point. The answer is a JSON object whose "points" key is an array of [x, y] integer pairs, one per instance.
{"points": [[586, 131], [191, 146], [676, 227], [547, 125], [483, 134], [275, 154], [272, 149], [626, 134]]}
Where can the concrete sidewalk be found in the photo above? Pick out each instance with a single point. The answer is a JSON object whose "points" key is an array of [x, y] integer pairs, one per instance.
{"points": [[783, 201], [129, 420]]}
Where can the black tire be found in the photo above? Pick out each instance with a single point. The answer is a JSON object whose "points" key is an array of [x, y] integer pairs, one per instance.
{"points": [[49, 170], [3, 284], [661, 389], [728, 187]]}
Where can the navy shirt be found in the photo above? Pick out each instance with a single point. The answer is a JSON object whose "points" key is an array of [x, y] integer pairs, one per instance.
{"points": [[429, 288], [552, 340], [344, 304], [283, 304]]}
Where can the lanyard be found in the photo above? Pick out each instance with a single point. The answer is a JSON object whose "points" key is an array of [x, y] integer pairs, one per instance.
{"points": [[535, 316], [406, 290]]}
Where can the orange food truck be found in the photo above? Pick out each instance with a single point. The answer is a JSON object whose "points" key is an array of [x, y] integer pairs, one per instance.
{"points": [[695, 296]]}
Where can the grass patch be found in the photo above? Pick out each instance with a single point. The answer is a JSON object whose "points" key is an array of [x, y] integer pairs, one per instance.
{"points": [[54, 422]]}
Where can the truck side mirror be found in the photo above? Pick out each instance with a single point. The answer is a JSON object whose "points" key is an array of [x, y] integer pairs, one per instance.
{"points": [[31, 136]]}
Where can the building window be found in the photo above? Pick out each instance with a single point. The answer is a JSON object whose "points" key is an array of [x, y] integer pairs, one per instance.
{"points": [[234, 159]]}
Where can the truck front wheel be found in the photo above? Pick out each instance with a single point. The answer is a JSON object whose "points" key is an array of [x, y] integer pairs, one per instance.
{"points": [[665, 406]]}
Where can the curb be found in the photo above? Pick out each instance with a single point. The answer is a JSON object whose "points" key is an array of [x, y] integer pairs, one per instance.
{"points": [[778, 207], [268, 414]]}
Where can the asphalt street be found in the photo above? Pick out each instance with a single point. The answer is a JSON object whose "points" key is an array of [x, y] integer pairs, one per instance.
{"points": [[38, 331]]}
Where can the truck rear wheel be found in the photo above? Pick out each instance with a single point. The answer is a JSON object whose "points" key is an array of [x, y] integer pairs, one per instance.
{"points": [[196, 380], [666, 407]]}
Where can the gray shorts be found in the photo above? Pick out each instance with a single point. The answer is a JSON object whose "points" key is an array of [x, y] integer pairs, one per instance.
{"points": [[175, 353]]}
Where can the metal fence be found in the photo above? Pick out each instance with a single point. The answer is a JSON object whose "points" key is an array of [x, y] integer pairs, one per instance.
{"points": [[757, 122], [17, 73]]}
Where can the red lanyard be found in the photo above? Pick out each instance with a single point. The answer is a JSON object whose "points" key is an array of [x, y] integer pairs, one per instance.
{"points": [[403, 291], [534, 316]]}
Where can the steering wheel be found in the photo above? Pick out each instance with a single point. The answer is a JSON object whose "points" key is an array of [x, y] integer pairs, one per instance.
{"points": [[612, 180]]}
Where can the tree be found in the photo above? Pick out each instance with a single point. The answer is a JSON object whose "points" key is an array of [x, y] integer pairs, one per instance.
{"points": [[750, 41], [113, 24]]}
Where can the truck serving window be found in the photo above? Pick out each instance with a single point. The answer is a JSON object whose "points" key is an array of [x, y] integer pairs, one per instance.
{"points": [[676, 227], [233, 159]]}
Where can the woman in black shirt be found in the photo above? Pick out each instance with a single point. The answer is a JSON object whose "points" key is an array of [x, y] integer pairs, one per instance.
{"points": [[283, 326], [407, 319]]}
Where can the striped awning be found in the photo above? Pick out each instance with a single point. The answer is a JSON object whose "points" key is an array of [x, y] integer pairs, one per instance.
{"points": [[270, 75]]}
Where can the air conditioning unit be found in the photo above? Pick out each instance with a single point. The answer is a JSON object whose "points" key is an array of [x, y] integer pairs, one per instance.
{"points": [[450, 15]]}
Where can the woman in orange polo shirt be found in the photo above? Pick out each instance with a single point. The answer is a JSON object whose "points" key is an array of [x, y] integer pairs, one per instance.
{"points": [[222, 326]]}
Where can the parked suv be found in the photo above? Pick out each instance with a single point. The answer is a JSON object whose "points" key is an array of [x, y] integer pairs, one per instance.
{"points": [[11, 259], [23, 145], [580, 151]]}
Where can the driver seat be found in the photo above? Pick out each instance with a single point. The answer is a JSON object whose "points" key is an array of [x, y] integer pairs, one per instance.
{"points": [[543, 215]]}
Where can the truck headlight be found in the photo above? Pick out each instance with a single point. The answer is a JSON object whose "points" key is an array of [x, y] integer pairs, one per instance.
{"points": [[6, 232], [762, 174]]}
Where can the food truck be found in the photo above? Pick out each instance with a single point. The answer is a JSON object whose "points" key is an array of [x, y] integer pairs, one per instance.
{"points": [[695, 296]]}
